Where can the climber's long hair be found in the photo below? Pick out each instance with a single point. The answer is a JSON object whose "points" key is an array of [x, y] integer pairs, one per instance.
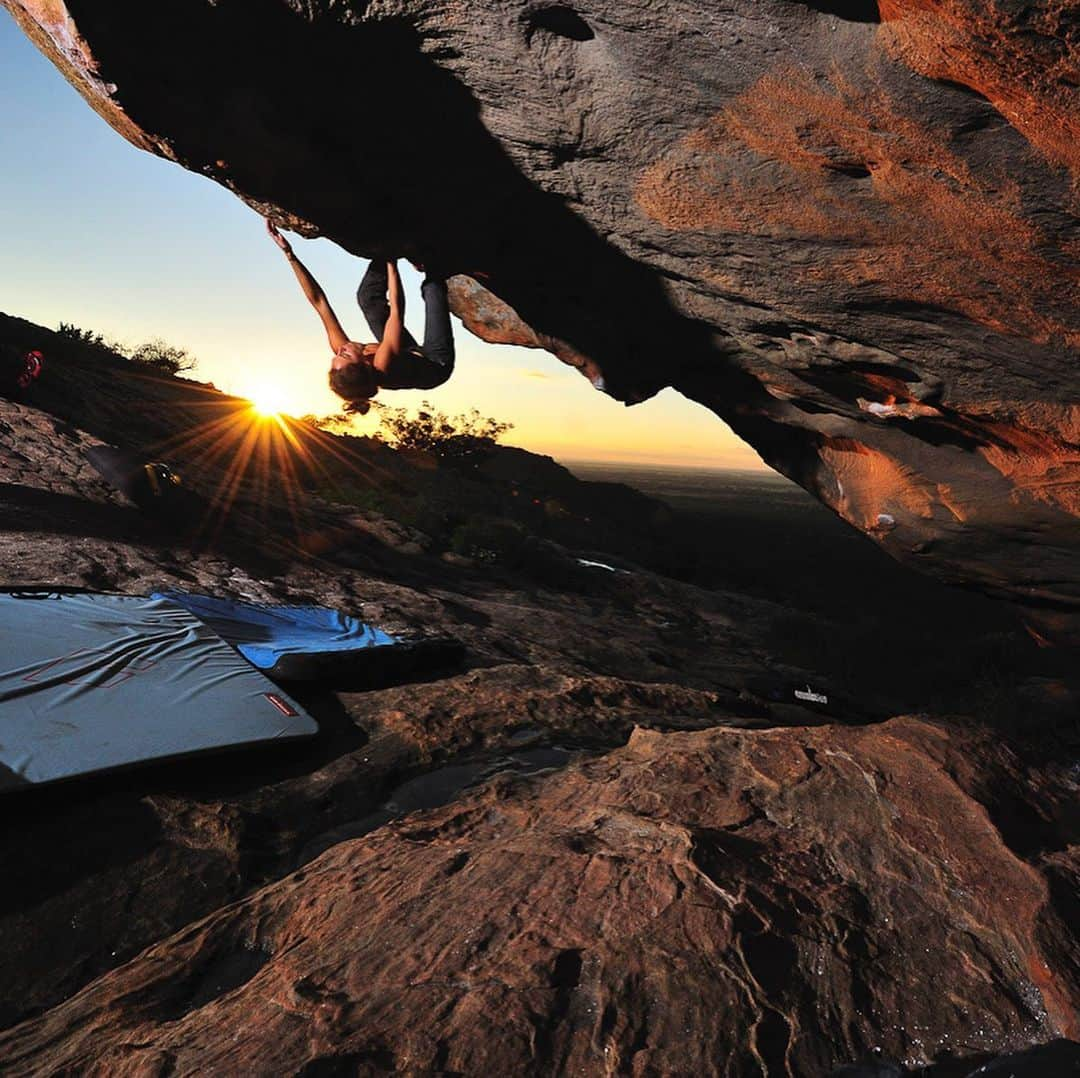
{"points": [[356, 384]]}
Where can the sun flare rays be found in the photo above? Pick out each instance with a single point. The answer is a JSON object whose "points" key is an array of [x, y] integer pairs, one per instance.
{"points": [[257, 465]]}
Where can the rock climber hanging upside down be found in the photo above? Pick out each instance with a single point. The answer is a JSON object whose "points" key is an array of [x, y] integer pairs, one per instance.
{"points": [[394, 360]]}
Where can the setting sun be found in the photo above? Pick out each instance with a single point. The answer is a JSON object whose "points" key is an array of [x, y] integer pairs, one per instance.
{"points": [[268, 400]]}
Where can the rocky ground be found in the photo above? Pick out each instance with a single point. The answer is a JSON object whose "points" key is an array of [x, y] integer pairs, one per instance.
{"points": [[609, 841]]}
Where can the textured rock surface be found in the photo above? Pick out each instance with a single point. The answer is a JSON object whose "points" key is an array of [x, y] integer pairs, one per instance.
{"points": [[719, 902], [848, 228]]}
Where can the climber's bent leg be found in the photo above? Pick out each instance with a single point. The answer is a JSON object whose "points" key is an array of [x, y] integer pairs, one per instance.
{"points": [[371, 295], [438, 333]]}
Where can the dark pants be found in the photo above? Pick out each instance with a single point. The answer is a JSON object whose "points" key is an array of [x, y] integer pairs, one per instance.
{"points": [[421, 366]]}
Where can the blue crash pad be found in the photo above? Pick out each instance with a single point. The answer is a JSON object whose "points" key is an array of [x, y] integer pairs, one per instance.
{"points": [[266, 634], [92, 682]]}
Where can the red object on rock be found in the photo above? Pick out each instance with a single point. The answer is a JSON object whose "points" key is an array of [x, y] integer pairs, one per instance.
{"points": [[34, 363]]}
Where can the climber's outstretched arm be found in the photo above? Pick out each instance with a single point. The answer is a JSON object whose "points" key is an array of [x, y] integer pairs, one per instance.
{"points": [[392, 343], [312, 290]]}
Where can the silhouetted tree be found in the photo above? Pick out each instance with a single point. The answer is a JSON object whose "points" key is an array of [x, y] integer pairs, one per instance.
{"points": [[448, 437], [154, 353], [83, 336], [165, 357]]}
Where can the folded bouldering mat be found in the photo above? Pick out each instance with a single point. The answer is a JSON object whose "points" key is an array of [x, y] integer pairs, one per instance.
{"points": [[314, 643], [93, 682], [152, 485]]}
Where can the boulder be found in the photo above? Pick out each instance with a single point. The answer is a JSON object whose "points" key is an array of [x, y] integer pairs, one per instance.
{"points": [[714, 902]]}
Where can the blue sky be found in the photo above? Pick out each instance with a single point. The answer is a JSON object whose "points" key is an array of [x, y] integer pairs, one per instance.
{"points": [[98, 233]]}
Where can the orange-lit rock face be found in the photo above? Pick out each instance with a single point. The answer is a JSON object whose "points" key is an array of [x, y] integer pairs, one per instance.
{"points": [[835, 224], [1022, 58], [49, 24], [490, 318], [798, 158]]}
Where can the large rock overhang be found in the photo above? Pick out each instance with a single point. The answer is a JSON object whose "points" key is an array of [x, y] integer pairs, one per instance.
{"points": [[848, 228]]}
